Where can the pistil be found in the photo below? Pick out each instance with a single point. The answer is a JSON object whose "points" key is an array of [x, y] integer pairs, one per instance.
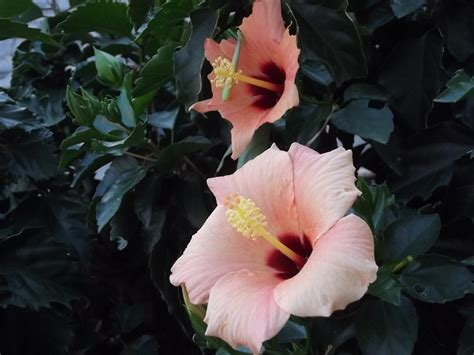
{"points": [[226, 76], [248, 219]]}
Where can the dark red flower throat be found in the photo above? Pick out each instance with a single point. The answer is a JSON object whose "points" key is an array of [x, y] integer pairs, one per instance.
{"points": [[267, 99], [284, 266]]}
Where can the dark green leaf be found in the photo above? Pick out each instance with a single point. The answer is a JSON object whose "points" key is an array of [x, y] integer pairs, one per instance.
{"points": [[360, 119], [100, 16], [125, 105], [112, 198], [189, 59], [260, 142], [172, 153], [10, 29], [10, 8], [386, 287], [137, 11], [402, 8], [157, 71], [460, 86], [456, 27], [306, 122], [34, 156], [330, 35], [164, 119], [437, 279], [291, 332], [410, 236], [171, 14], [373, 203], [428, 160], [413, 76], [192, 202], [33, 266], [90, 163], [364, 91], [385, 329]]}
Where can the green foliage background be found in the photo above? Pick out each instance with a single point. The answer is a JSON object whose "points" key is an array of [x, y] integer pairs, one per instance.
{"points": [[84, 262]]}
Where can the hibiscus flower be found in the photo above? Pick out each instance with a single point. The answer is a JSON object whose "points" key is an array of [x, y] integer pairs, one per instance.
{"points": [[278, 243], [263, 82]]}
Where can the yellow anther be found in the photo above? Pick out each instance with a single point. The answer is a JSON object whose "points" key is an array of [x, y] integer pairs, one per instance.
{"points": [[224, 72], [244, 215]]}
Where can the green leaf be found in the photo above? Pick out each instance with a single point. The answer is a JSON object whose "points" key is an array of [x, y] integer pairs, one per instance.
{"points": [[109, 69], [137, 11], [88, 165], [157, 71], [373, 203], [260, 142], [386, 287], [306, 122], [413, 76], [385, 329], [364, 91], [460, 86], [189, 59], [169, 156], [330, 35], [112, 198], [10, 29], [437, 279], [360, 119], [410, 236], [10, 8], [101, 16], [164, 119], [124, 103], [402, 8], [168, 16]]}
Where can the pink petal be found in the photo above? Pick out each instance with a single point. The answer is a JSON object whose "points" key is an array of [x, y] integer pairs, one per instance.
{"points": [[242, 310], [324, 187], [337, 273], [214, 251], [265, 25], [268, 181]]}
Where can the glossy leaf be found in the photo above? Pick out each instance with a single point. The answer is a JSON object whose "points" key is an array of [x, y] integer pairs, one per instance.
{"points": [[410, 236], [437, 279], [189, 59], [360, 119], [386, 329]]}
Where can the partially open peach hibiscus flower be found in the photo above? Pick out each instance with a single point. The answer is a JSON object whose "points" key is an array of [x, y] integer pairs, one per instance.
{"points": [[278, 243], [263, 79]]}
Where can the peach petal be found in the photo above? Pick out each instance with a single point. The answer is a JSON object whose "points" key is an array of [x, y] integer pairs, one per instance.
{"points": [[338, 272], [268, 181], [214, 251], [242, 310], [324, 187]]}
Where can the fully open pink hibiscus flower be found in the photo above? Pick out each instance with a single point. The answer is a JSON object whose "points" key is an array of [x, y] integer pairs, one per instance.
{"points": [[278, 243], [264, 79]]}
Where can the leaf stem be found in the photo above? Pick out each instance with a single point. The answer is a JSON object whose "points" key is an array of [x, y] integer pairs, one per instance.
{"points": [[138, 156]]}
